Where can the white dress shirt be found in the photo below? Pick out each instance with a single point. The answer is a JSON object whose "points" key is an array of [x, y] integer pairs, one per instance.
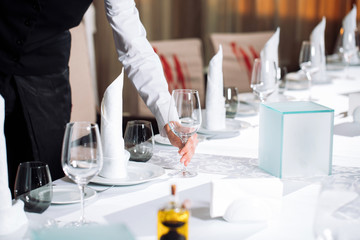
{"points": [[141, 63]]}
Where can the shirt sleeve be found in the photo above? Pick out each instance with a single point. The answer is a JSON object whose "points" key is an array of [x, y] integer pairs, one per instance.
{"points": [[141, 63]]}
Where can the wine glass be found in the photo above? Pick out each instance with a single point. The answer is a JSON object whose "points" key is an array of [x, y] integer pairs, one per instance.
{"points": [[139, 140], [82, 157], [264, 78], [337, 213], [349, 49], [184, 119], [307, 61], [33, 186]]}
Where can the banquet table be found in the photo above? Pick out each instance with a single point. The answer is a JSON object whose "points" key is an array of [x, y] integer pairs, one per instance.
{"points": [[136, 206]]}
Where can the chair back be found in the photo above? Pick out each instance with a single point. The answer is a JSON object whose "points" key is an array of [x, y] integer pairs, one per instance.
{"points": [[182, 61], [239, 51]]}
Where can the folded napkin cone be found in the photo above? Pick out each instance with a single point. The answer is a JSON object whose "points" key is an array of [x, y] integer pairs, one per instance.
{"points": [[317, 38], [215, 103], [115, 158], [246, 199]]}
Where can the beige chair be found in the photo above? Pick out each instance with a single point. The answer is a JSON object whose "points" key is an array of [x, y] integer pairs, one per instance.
{"points": [[239, 51], [82, 86], [182, 61]]}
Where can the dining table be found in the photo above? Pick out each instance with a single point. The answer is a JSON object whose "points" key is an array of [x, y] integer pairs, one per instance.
{"points": [[232, 156]]}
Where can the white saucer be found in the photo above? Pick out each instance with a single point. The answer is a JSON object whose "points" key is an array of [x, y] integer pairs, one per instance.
{"points": [[138, 172], [165, 141], [70, 194], [161, 140], [232, 126]]}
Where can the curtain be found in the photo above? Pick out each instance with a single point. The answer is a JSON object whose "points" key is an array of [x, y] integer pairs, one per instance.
{"points": [[172, 19]]}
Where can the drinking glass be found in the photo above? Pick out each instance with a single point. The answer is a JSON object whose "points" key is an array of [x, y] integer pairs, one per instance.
{"points": [[349, 49], [231, 101], [184, 119], [307, 62], [337, 214], [33, 186], [139, 140], [82, 157], [264, 78]]}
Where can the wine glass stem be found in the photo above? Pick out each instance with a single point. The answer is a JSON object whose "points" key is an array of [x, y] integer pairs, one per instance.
{"points": [[82, 191], [184, 141], [308, 76]]}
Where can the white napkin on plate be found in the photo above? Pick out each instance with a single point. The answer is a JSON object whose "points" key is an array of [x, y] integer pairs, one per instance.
{"points": [[349, 26], [317, 38], [270, 49], [246, 199], [12, 217], [215, 102], [115, 160]]}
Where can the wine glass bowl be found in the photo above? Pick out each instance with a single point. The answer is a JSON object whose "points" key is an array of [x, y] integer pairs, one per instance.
{"points": [[82, 157], [307, 62], [139, 140], [33, 185], [264, 78], [349, 48], [185, 118]]}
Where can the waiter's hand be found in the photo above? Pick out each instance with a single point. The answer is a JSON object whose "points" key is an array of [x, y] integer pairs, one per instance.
{"points": [[186, 151]]}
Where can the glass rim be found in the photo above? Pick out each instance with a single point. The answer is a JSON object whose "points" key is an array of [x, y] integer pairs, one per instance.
{"points": [[185, 90], [138, 122], [83, 123], [33, 164]]}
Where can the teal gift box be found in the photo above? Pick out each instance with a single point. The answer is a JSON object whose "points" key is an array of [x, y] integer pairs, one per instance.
{"points": [[295, 139]]}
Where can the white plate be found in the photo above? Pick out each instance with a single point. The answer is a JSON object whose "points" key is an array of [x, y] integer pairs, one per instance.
{"points": [[232, 126], [138, 172], [70, 194], [161, 140], [165, 141]]}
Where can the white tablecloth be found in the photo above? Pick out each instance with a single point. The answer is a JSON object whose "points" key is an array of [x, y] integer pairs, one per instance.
{"points": [[136, 206]]}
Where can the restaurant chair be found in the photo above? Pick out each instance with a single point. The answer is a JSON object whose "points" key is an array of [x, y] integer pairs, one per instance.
{"points": [[83, 91], [239, 52], [182, 61]]}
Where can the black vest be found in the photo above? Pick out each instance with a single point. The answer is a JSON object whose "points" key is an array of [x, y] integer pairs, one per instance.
{"points": [[34, 37]]}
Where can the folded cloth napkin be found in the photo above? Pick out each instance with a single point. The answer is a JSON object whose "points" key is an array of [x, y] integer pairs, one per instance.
{"points": [[349, 27], [317, 38], [270, 53], [246, 199], [12, 217], [270, 49], [115, 159], [215, 103]]}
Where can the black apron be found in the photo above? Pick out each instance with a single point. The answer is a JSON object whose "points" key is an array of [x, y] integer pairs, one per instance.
{"points": [[34, 78]]}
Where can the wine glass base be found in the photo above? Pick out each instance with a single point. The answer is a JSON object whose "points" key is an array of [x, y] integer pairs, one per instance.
{"points": [[183, 174], [83, 223]]}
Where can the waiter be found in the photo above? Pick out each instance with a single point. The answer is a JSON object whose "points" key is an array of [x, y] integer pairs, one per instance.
{"points": [[34, 75]]}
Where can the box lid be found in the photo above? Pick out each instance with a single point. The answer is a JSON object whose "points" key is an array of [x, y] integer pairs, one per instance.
{"points": [[296, 107]]}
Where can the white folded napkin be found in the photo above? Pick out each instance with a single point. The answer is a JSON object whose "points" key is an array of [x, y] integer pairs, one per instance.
{"points": [[246, 199], [270, 49], [115, 160], [270, 53], [12, 217], [215, 102], [349, 27], [317, 38]]}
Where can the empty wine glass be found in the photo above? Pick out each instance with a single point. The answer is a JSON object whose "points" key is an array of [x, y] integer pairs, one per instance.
{"points": [[349, 49], [184, 119], [33, 186], [82, 157], [307, 62], [264, 78]]}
